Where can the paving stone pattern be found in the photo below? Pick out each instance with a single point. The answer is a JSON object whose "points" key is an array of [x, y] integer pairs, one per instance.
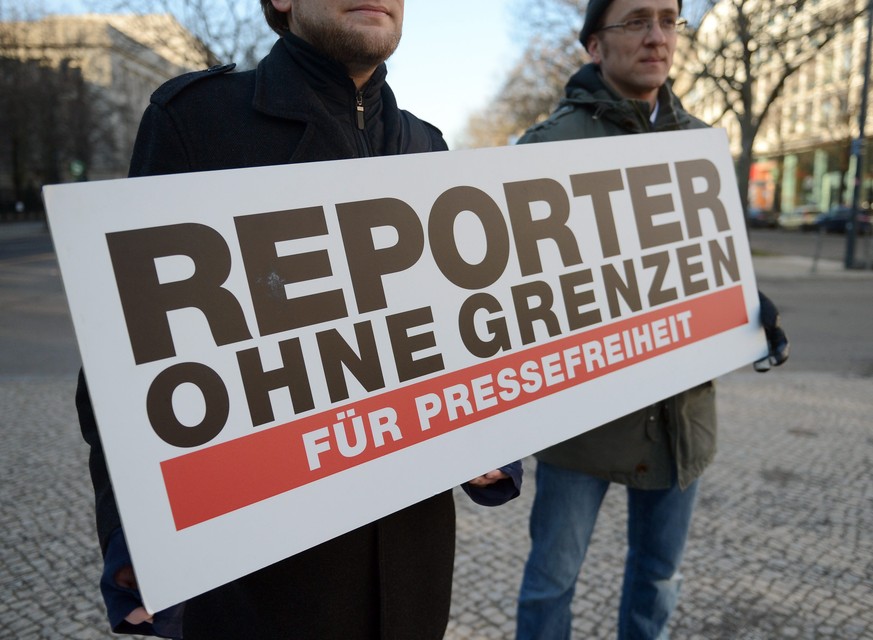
{"points": [[781, 547], [782, 540], [781, 544], [49, 560]]}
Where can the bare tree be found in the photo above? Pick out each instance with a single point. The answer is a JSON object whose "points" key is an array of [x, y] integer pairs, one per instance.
{"points": [[72, 89], [740, 53], [229, 30], [535, 84], [744, 52], [52, 121]]}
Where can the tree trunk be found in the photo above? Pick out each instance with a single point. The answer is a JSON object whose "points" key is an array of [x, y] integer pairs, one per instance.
{"points": [[744, 168]]}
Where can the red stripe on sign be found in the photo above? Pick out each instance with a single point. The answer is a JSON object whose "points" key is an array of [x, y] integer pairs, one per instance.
{"points": [[214, 481]]}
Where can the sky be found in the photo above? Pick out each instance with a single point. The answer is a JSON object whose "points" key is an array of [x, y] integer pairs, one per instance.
{"points": [[451, 59]]}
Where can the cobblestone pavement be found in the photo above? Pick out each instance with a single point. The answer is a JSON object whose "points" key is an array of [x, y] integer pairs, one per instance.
{"points": [[781, 545], [782, 540]]}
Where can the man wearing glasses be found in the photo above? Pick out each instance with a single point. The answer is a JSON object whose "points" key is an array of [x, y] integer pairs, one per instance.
{"points": [[660, 451]]}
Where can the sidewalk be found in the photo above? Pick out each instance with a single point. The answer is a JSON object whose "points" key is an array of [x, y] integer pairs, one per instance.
{"points": [[780, 267], [781, 545]]}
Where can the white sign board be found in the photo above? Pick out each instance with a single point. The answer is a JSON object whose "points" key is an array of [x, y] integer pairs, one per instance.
{"points": [[262, 344]]}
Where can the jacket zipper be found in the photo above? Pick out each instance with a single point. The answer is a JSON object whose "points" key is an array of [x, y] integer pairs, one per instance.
{"points": [[359, 109], [364, 143]]}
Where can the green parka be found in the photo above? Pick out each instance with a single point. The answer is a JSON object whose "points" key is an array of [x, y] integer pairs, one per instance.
{"points": [[643, 448]]}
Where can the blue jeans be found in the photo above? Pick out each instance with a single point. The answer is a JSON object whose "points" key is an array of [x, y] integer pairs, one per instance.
{"points": [[562, 519]]}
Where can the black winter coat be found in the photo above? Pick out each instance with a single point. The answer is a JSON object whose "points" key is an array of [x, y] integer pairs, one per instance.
{"points": [[390, 579]]}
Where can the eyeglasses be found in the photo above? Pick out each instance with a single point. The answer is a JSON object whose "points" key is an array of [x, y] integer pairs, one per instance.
{"points": [[640, 26]]}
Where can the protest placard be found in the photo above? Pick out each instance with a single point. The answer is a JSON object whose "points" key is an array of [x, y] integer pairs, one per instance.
{"points": [[278, 355]]}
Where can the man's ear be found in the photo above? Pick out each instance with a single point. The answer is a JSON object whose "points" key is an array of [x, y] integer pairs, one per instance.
{"points": [[594, 49]]}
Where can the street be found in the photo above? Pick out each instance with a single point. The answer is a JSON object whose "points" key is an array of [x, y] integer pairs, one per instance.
{"points": [[37, 335], [782, 541]]}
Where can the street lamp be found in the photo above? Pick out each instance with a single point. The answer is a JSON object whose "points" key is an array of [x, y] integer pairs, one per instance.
{"points": [[858, 150]]}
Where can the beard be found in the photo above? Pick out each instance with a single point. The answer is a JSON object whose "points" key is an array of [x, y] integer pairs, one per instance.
{"points": [[355, 49]]}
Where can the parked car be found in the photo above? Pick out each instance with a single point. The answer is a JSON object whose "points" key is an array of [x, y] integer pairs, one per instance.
{"points": [[803, 218], [837, 221], [762, 218]]}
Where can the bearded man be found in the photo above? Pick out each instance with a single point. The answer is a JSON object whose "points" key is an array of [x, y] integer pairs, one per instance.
{"points": [[320, 94]]}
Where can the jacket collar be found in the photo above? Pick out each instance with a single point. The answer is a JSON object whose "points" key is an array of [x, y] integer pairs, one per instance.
{"points": [[284, 89], [587, 87], [293, 73]]}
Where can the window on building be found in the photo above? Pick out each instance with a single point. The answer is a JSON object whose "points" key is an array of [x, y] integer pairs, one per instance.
{"points": [[827, 113], [847, 57], [827, 67]]}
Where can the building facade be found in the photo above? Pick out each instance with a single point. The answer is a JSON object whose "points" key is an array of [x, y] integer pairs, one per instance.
{"points": [[72, 91], [802, 153]]}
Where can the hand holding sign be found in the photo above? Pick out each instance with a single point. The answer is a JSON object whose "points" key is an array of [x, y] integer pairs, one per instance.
{"points": [[777, 341], [489, 478]]}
